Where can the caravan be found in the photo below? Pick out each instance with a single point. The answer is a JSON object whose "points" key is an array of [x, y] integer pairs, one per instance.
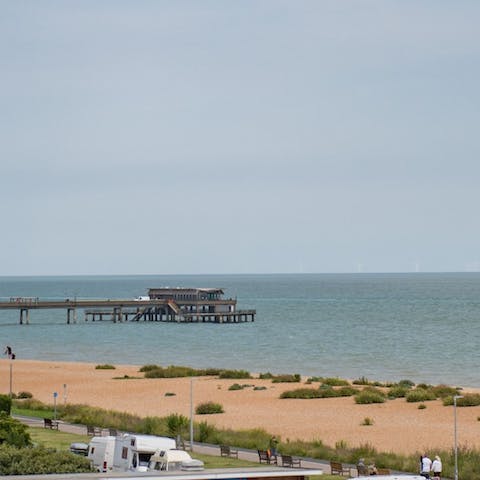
{"points": [[174, 460], [101, 451], [133, 452]]}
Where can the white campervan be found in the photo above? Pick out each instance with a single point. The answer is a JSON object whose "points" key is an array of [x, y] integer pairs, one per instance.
{"points": [[101, 451], [168, 460], [133, 452]]}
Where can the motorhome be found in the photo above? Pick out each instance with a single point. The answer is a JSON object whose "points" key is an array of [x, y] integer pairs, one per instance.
{"points": [[101, 451], [174, 459], [133, 452]]}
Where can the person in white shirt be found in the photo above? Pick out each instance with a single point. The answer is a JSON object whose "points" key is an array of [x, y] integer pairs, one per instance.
{"points": [[437, 467], [426, 466]]}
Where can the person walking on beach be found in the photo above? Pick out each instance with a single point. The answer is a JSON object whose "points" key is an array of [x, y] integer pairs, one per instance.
{"points": [[426, 466], [437, 468], [273, 445], [8, 351]]}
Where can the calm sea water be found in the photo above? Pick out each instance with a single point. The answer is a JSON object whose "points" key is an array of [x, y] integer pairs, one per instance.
{"points": [[424, 327]]}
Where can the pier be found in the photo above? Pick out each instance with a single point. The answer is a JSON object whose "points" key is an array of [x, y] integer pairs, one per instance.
{"points": [[180, 305]]}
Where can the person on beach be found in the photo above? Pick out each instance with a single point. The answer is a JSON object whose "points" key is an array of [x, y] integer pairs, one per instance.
{"points": [[426, 466], [437, 468], [8, 351], [273, 445]]}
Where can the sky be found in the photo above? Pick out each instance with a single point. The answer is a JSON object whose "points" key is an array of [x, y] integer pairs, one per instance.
{"points": [[261, 136]]}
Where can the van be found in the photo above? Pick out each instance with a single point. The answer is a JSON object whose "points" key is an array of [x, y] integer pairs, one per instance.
{"points": [[133, 452], [101, 451], [167, 460]]}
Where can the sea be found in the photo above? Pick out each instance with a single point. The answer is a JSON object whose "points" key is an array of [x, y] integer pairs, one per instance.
{"points": [[419, 326]]}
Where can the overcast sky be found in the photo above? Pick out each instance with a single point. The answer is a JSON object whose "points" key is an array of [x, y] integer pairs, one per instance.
{"points": [[239, 136]]}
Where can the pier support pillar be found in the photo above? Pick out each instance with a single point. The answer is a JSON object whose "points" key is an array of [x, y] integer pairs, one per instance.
{"points": [[27, 316]]}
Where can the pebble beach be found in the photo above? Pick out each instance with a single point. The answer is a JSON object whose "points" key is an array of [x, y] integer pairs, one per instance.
{"points": [[398, 426]]}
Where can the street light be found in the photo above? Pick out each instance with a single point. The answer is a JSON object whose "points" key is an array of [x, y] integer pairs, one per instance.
{"points": [[191, 414], [455, 398], [11, 380]]}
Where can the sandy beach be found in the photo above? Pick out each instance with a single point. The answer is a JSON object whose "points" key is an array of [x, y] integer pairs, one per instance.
{"points": [[398, 426]]}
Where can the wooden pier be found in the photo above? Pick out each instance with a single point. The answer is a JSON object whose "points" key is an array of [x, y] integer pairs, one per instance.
{"points": [[179, 305]]}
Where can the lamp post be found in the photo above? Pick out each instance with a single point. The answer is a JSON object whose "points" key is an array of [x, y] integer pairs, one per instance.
{"points": [[55, 395], [11, 380], [455, 398], [191, 414]]}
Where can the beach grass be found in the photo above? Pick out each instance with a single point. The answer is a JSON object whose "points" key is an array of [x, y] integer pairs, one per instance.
{"points": [[469, 458]]}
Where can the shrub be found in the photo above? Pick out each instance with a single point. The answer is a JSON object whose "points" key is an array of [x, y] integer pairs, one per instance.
{"points": [[105, 366], [367, 421], [39, 460], [442, 391], [301, 393], [361, 381], [265, 376], [172, 371], [175, 371], [177, 424], [13, 432], [5, 404], [147, 368], [327, 392], [370, 395], [425, 386], [398, 391], [170, 394], [422, 406], [22, 395], [205, 431], [236, 386], [420, 395], [208, 407], [406, 383], [467, 400], [347, 391], [335, 382], [234, 374], [260, 387], [287, 378]]}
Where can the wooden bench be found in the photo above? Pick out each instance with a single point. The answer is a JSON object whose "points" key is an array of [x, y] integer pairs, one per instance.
{"points": [[289, 461], [336, 468], [383, 471], [226, 451], [94, 431], [264, 456], [49, 423]]}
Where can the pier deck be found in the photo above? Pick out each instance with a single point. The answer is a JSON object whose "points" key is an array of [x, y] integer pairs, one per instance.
{"points": [[124, 310]]}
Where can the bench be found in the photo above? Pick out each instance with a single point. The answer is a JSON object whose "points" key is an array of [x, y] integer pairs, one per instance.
{"points": [[336, 468], [383, 471], [94, 431], [264, 456], [289, 461], [49, 423], [226, 451]]}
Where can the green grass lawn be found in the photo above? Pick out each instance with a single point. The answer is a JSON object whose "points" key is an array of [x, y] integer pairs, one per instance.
{"points": [[62, 440], [55, 439]]}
